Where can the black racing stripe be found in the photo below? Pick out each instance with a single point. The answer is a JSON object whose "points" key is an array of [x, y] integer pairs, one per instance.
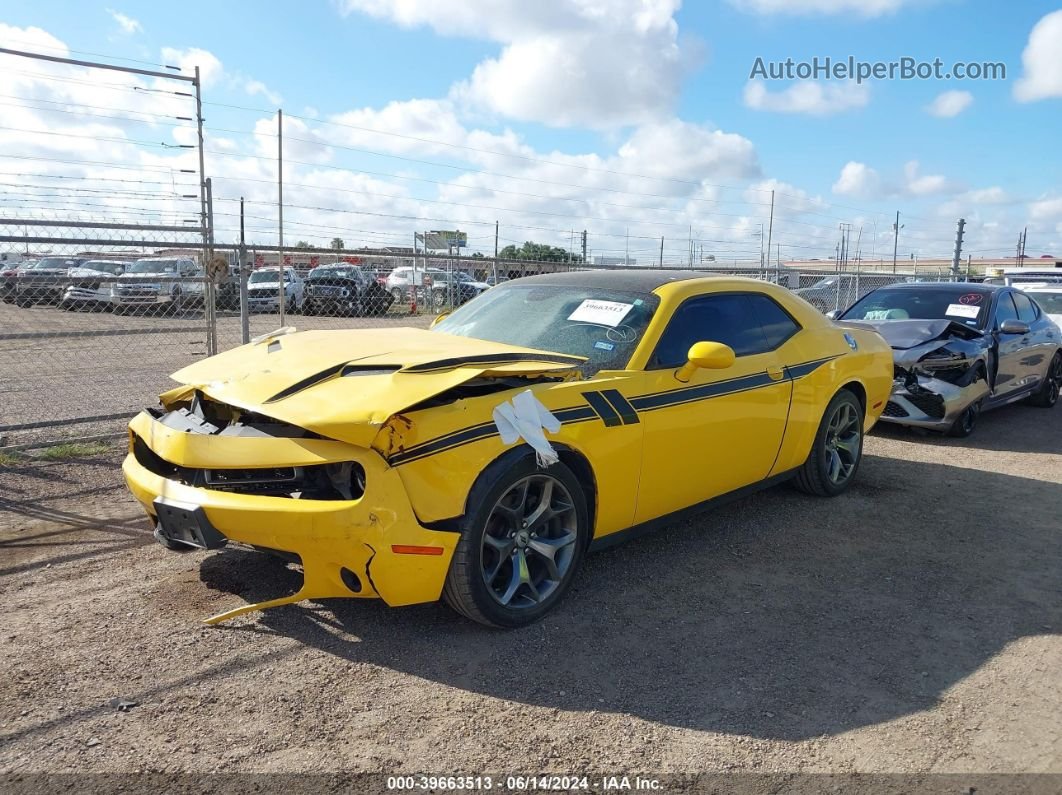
{"points": [[625, 409], [603, 408], [703, 392], [475, 433], [806, 368], [492, 358], [466, 436], [574, 414], [306, 383]]}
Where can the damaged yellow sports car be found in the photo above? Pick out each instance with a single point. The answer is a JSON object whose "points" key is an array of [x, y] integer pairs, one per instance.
{"points": [[478, 461]]}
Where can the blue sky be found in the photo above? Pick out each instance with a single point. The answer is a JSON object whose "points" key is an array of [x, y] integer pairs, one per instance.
{"points": [[647, 88]]}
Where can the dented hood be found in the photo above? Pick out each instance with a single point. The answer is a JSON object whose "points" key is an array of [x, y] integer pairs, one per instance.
{"points": [[904, 334], [346, 384]]}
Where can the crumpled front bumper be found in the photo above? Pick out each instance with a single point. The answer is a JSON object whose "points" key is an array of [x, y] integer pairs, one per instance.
{"points": [[371, 537], [933, 404], [86, 295]]}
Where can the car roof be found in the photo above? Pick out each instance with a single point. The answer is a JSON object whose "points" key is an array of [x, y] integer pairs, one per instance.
{"points": [[1040, 287], [975, 287], [645, 281]]}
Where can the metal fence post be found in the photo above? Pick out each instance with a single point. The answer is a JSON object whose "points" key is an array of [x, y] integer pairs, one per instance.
{"points": [[245, 318]]}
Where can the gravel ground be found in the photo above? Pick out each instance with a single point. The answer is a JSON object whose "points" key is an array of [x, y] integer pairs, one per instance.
{"points": [[912, 625]]}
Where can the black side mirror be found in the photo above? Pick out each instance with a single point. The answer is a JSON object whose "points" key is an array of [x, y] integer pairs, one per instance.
{"points": [[1013, 326]]}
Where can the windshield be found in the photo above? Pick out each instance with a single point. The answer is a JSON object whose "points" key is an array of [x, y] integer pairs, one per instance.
{"points": [[103, 266], [260, 277], [332, 273], [603, 325], [962, 303], [1050, 302], [153, 266]]}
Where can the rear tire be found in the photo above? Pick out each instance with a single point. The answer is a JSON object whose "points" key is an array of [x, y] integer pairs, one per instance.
{"points": [[521, 544], [837, 450], [1047, 395]]}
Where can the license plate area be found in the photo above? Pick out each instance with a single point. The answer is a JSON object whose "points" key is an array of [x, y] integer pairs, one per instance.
{"points": [[187, 523]]}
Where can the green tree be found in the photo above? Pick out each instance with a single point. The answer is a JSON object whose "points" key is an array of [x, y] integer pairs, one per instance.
{"points": [[302, 244], [539, 252], [337, 243]]}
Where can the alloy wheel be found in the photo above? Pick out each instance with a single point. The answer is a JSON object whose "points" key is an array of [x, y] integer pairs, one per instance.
{"points": [[843, 443], [529, 542]]}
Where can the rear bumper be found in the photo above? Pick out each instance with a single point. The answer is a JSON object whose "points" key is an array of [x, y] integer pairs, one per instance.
{"points": [[327, 535]]}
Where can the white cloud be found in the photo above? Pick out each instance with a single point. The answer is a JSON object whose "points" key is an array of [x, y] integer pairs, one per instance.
{"points": [[949, 104], [865, 8], [858, 180], [128, 25], [1042, 77], [918, 184], [210, 68], [813, 98], [257, 88], [993, 195], [600, 63], [1046, 209]]}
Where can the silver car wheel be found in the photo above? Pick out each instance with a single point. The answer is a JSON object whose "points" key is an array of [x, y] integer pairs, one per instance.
{"points": [[844, 443], [529, 542]]}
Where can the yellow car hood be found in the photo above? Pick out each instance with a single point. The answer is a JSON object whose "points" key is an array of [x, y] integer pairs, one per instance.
{"points": [[346, 384]]}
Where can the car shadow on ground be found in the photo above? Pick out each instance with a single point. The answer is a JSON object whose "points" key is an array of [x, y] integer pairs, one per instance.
{"points": [[1016, 428], [784, 616]]}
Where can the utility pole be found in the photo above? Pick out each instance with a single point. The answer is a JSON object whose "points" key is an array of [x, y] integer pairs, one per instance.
{"points": [[761, 246], [245, 320], [958, 249], [770, 227], [895, 239], [280, 212], [584, 247], [209, 301], [495, 253], [661, 251], [691, 247]]}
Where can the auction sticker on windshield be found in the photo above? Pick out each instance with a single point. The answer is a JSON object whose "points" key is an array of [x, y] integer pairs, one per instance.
{"points": [[602, 313], [962, 310]]}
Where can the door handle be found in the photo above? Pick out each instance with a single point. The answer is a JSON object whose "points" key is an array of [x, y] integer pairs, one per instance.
{"points": [[776, 373]]}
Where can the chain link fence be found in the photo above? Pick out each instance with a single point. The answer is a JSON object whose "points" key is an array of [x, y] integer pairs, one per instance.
{"points": [[95, 317]]}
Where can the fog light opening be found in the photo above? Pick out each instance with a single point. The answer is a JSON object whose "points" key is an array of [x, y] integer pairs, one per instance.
{"points": [[350, 580]]}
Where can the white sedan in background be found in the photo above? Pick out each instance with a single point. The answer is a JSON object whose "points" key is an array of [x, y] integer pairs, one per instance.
{"points": [[263, 290], [1049, 296], [91, 283]]}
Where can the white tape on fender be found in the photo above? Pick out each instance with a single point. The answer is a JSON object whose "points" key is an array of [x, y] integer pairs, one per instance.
{"points": [[526, 418]]}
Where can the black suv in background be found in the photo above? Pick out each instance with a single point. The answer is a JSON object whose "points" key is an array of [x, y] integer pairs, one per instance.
{"points": [[344, 290]]}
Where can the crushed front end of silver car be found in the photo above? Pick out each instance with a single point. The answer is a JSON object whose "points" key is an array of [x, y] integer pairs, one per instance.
{"points": [[940, 369]]}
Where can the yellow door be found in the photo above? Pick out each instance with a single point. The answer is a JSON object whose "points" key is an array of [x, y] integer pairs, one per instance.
{"points": [[722, 429]]}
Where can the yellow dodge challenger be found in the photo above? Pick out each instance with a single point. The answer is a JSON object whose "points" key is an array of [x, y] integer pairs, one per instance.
{"points": [[478, 461]]}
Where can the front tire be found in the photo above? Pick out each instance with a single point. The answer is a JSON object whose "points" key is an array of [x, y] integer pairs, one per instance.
{"points": [[966, 422], [837, 450], [521, 545]]}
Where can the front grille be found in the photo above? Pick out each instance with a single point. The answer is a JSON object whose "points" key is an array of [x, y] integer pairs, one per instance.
{"points": [[894, 410], [317, 482], [929, 404]]}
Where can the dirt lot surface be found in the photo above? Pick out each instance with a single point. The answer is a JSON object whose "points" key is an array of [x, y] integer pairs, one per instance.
{"points": [[912, 625]]}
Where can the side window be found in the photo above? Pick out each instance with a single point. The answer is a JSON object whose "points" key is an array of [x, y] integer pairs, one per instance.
{"points": [[1026, 310], [717, 318], [1005, 309], [776, 323]]}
